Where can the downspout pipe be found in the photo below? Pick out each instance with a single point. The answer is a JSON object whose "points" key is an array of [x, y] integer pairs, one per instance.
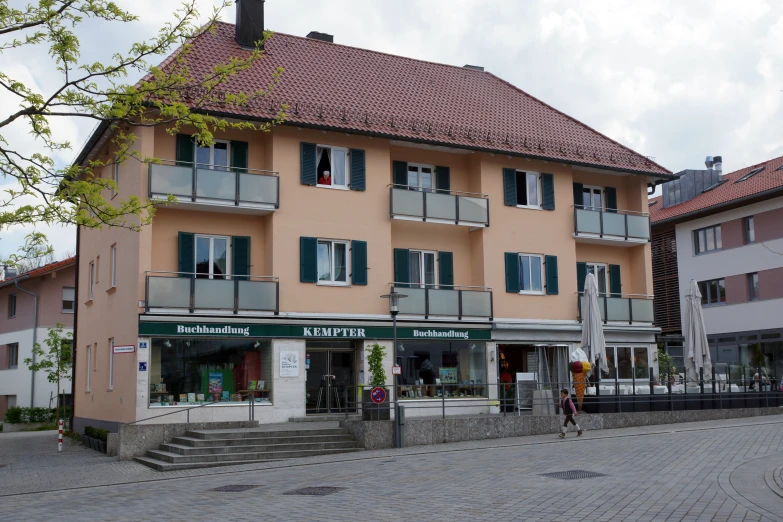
{"points": [[35, 339]]}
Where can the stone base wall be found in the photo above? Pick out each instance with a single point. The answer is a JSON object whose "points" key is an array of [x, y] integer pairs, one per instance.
{"points": [[30, 426], [422, 432]]}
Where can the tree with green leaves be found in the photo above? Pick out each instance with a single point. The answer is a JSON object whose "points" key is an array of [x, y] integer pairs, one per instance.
{"points": [[57, 362], [168, 95]]}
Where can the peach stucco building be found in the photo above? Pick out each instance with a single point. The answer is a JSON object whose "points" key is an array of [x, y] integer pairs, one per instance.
{"points": [[483, 205]]}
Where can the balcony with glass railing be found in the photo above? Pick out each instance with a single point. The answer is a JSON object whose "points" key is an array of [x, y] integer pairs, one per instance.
{"points": [[438, 206], [600, 225], [184, 292], [199, 185], [622, 308], [439, 301]]}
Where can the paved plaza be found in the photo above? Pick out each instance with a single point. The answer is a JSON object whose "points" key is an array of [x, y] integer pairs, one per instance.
{"points": [[719, 470]]}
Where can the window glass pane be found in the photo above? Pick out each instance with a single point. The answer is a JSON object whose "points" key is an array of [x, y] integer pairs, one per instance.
{"points": [[624, 363], [340, 272], [413, 176], [710, 239], [429, 269], [713, 292], [721, 291], [535, 273], [601, 278], [338, 167], [202, 256], [521, 188], [524, 272], [641, 363], [754, 286], [202, 155], [597, 199], [586, 197], [434, 368], [414, 262], [532, 189], [324, 168], [703, 292], [718, 240], [324, 262], [426, 178], [220, 247], [702, 240], [610, 363], [221, 155]]}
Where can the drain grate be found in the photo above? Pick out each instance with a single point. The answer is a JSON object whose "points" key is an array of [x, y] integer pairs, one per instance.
{"points": [[315, 491], [574, 474], [235, 488]]}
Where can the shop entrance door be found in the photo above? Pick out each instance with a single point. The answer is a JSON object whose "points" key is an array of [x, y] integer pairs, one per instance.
{"points": [[331, 382]]}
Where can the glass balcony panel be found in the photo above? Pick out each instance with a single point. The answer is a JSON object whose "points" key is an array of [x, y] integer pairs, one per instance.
{"points": [[170, 179], [614, 224], [258, 188], [476, 303], [168, 292], [642, 310], [475, 210], [639, 226], [214, 294], [257, 295], [588, 221], [215, 184], [617, 309], [441, 206], [444, 302], [414, 303], [407, 203]]}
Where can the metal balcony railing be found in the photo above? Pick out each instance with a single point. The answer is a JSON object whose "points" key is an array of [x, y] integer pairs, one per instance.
{"points": [[212, 184], [439, 206], [630, 308], [445, 301], [611, 224], [195, 292]]}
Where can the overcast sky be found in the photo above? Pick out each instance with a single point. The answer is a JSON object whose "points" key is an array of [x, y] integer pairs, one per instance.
{"points": [[671, 79]]}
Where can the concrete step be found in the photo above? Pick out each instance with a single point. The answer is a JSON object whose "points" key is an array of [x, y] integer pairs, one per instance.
{"points": [[325, 418], [160, 465], [271, 438], [257, 448], [252, 433], [237, 458]]}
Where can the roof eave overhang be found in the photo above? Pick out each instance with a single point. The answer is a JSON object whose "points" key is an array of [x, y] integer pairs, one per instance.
{"points": [[23, 277], [727, 205]]}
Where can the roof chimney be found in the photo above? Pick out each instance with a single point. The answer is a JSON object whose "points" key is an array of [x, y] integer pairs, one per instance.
{"points": [[324, 37], [718, 164], [249, 22], [473, 67], [10, 272]]}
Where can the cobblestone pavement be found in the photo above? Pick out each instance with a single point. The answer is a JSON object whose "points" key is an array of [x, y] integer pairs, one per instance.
{"points": [[719, 470]]}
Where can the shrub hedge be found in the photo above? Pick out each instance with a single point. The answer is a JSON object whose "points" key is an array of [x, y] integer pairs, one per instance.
{"points": [[20, 415], [96, 433]]}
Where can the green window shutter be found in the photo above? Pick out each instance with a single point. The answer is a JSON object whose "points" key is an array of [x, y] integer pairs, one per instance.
{"points": [[512, 272], [239, 156], [550, 265], [185, 150], [510, 187], [615, 282], [400, 169], [187, 253], [548, 189], [446, 268], [307, 164], [581, 275], [240, 257], [359, 262], [443, 178], [611, 199], [578, 199], [308, 259], [358, 168], [402, 266]]}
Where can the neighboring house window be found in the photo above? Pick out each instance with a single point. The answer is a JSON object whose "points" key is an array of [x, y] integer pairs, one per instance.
{"points": [[69, 299], [707, 239], [89, 366], [601, 272], [423, 269], [111, 363], [13, 356], [592, 198], [750, 230], [528, 189], [421, 177], [212, 257], [11, 306], [531, 273], [115, 175], [333, 262], [712, 292], [625, 363], [114, 266], [215, 156], [331, 166], [753, 286], [92, 280]]}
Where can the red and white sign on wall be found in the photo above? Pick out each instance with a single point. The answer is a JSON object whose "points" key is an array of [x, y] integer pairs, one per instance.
{"points": [[128, 348]]}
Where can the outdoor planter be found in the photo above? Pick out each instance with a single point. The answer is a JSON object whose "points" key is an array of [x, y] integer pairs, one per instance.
{"points": [[96, 444]]}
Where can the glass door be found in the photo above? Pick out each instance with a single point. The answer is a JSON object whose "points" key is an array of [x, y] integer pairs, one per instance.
{"points": [[331, 382]]}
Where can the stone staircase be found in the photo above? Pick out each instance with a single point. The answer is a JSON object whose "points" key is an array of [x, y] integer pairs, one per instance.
{"points": [[211, 448]]}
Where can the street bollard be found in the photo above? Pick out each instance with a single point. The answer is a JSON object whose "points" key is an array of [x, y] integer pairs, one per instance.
{"points": [[59, 435]]}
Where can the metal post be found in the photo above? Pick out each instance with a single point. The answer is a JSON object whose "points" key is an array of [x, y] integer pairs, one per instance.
{"points": [[443, 399], [394, 385], [59, 435]]}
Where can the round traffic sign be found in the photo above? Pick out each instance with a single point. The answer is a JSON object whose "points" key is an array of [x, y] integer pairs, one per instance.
{"points": [[378, 395]]}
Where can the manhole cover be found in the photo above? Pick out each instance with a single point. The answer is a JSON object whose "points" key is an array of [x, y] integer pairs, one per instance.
{"points": [[235, 488], [318, 492], [575, 474]]}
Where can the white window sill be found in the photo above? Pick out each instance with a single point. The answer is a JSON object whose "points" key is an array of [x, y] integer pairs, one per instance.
{"points": [[530, 207], [332, 283], [335, 187], [67, 311], [531, 292]]}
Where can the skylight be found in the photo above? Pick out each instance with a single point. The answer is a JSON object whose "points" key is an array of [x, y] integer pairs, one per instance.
{"points": [[718, 184], [651, 203], [750, 174], [779, 168]]}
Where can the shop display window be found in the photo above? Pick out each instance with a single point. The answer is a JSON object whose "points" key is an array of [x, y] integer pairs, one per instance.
{"points": [[433, 369], [186, 372]]}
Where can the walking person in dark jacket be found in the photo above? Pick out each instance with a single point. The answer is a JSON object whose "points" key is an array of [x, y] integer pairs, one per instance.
{"points": [[567, 407]]}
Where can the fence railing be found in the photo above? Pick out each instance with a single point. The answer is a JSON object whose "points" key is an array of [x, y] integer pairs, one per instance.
{"points": [[445, 301], [428, 204], [194, 292], [614, 224], [630, 308], [199, 182]]}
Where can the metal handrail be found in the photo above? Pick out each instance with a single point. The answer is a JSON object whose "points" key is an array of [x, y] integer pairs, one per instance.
{"points": [[433, 190], [610, 210], [631, 296], [224, 277], [188, 409], [447, 287], [221, 168]]}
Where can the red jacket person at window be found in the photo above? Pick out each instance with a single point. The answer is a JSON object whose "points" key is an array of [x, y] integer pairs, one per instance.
{"points": [[325, 179]]}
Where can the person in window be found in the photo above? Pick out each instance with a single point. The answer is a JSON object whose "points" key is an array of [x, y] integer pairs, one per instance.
{"points": [[326, 178]]}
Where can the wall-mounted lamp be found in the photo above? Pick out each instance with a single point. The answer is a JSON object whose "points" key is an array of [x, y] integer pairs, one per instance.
{"points": [[167, 343], [472, 347], [257, 344], [400, 347]]}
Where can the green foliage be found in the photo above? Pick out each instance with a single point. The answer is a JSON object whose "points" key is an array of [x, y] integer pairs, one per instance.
{"points": [[96, 433], [666, 367], [375, 364], [20, 415], [13, 415], [57, 362]]}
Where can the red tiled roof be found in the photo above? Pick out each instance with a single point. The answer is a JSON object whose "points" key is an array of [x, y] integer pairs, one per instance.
{"points": [[51, 267], [351, 89], [768, 179]]}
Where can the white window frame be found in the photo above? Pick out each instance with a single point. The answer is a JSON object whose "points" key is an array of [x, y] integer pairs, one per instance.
{"points": [[115, 175], [423, 253], [111, 363], [91, 280], [537, 175], [332, 282], [211, 164], [114, 266], [73, 301], [89, 366], [588, 264], [418, 186], [625, 380], [13, 348], [211, 238], [603, 197], [331, 156], [542, 275]]}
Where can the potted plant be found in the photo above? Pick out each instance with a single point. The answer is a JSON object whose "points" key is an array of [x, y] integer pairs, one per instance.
{"points": [[370, 410]]}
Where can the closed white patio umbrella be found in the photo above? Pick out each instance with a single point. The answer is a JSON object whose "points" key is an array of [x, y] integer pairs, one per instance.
{"points": [[696, 348], [592, 328]]}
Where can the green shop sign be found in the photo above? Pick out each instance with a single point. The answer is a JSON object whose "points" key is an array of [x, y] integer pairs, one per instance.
{"points": [[299, 331]]}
